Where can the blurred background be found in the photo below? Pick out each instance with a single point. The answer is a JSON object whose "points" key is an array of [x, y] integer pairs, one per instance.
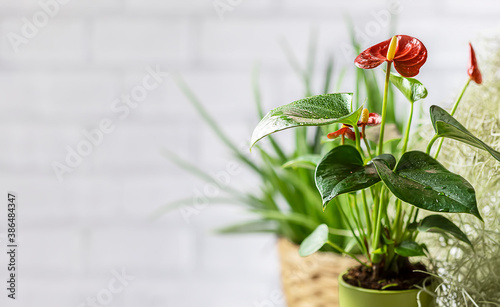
{"points": [[88, 107]]}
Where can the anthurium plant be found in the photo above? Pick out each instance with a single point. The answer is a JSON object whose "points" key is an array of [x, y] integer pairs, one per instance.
{"points": [[386, 189]]}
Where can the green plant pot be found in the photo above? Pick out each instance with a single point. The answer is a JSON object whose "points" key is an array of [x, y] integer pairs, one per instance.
{"points": [[350, 296]]}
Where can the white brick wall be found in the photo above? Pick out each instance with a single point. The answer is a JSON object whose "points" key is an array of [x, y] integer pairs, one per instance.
{"points": [[75, 232]]}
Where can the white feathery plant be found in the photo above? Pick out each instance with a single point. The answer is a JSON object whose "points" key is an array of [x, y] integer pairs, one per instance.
{"points": [[472, 277]]}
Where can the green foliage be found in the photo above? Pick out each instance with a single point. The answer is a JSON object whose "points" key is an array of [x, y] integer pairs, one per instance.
{"points": [[311, 111], [315, 241], [411, 88], [423, 182], [342, 171], [409, 249], [446, 126], [442, 225], [373, 201], [417, 180], [306, 161], [286, 201]]}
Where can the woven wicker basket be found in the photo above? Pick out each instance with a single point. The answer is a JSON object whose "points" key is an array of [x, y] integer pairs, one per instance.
{"points": [[311, 281]]}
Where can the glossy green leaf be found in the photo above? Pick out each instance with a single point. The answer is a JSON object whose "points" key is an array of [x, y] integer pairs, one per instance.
{"points": [[423, 182], [342, 170], [311, 111], [440, 224], [447, 126], [411, 88], [306, 161], [315, 241], [409, 249]]}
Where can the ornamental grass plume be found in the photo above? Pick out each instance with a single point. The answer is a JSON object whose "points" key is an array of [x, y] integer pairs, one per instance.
{"points": [[472, 277]]}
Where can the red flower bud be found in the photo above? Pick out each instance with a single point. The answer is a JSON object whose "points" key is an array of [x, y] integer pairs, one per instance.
{"points": [[473, 71]]}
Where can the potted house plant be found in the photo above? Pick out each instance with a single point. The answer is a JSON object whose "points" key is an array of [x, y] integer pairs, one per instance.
{"points": [[383, 192]]}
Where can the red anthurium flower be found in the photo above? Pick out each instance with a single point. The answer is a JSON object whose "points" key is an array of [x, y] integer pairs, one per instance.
{"points": [[407, 53], [343, 131], [473, 71], [368, 119]]}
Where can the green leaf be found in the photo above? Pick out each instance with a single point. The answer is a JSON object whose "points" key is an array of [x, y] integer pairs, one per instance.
{"points": [[380, 251], [315, 241], [411, 88], [446, 126], [305, 161], [311, 111], [409, 249], [249, 227], [342, 170], [212, 123], [423, 182], [440, 224]]}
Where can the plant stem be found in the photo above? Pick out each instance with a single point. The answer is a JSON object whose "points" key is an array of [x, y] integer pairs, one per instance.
{"points": [[358, 141], [378, 221], [410, 216], [376, 201], [431, 142], [460, 98], [416, 215], [356, 237], [407, 133], [453, 113], [357, 221], [396, 228], [380, 148], [343, 251], [366, 143], [367, 213], [356, 97]]}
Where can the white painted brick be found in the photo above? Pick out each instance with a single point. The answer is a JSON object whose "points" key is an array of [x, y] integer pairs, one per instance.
{"points": [[318, 6], [135, 149], [76, 94], [228, 96], [29, 7], [60, 201], [57, 251], [237, 40], [154, 292], [210, 292], [144, 249], [215, 254], [60, 40], [34, 147], [81, 97], [25, 5], [21, 101], [75, 6], [140, 40], [69, 290], [143, 196], [98, 219], [172, 7]]}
